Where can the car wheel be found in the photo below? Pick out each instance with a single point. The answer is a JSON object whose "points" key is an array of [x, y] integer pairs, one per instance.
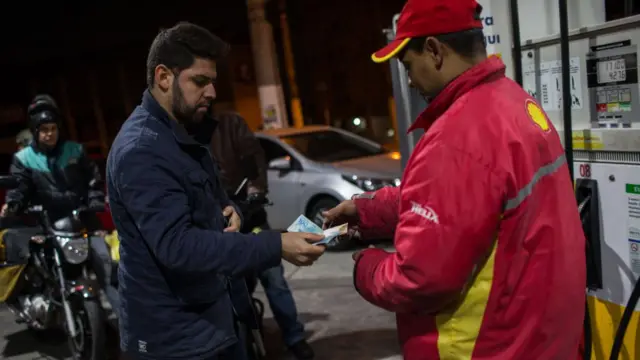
{"points": [[315, 214]]}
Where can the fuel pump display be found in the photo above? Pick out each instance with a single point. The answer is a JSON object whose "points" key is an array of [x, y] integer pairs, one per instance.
{"points": [[612, 75]]}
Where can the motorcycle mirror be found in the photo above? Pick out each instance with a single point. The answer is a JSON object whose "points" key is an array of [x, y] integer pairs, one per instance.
{"points": [[8, 182], [249, 167]]}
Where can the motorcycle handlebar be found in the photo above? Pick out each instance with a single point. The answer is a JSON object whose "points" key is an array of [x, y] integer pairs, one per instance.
{"points": [[252, 203], [258, 199], [38, 209], [35, 209], [89, 209]]}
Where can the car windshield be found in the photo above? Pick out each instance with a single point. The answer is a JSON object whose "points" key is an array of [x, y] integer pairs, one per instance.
{"points": [[331, 146]]}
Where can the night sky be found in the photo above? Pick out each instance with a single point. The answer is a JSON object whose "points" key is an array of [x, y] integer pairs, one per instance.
{"points": [[332, 41], [69, 30], [48, 42]]}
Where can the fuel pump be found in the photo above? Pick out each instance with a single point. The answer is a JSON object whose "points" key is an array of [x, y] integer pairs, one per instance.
{"points": [[586, 80]]}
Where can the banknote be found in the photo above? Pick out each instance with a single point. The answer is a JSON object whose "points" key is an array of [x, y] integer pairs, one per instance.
{"points": [[332, 233], [303, 224], [336, 230]]}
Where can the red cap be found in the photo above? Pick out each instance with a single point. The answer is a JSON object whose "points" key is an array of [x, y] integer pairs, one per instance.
{"points": [[428, 18]]}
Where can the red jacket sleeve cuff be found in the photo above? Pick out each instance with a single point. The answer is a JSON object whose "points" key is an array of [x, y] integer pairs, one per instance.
{"points": [[364, 272]]}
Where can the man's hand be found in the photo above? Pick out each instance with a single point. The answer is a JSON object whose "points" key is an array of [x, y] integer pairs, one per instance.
{"points": [[3, 211], [234, 219], [296, 248], [345, 212], [253, 190]]}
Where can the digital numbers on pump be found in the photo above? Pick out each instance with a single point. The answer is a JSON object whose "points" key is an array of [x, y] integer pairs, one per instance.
{"points": [[612, 71], [585, 170]]}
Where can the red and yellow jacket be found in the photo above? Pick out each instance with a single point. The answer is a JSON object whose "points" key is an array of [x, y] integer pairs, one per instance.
{"points": [[490, 260]]}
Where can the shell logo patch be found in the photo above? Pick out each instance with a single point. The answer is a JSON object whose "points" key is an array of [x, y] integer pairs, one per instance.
{"points": [[537, 115]]}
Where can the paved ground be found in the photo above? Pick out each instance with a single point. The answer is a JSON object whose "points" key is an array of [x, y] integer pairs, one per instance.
{"points": [[339, 323]]}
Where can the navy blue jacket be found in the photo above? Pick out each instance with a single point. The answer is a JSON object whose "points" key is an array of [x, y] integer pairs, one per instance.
{"points": [[175, 261]]}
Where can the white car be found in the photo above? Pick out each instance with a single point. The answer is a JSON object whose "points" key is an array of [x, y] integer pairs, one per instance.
{"points": [[316, 167]]}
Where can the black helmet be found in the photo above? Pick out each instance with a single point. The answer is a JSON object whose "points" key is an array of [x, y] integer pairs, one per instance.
{"points": [[42, 109]]}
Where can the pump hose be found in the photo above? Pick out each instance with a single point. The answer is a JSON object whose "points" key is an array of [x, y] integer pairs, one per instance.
{"points": [[586, 355], [624, 322]]}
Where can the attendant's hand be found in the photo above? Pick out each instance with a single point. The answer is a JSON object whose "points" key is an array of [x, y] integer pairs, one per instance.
{"points": [[234, 219], [296, 248], [345, 212]]}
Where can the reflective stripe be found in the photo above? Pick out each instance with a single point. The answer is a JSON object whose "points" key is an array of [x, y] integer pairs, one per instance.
{"points": [[528, 189]]}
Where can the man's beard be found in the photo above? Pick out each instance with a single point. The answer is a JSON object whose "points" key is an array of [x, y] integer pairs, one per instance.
{"points": [[199, 127], [184, 113]]}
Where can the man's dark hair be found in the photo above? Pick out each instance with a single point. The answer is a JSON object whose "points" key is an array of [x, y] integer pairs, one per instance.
{"points": [[467, 44], [179, 46]]}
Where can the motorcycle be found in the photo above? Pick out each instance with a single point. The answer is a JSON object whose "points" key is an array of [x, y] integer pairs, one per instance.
{"points": [[55, 287]]}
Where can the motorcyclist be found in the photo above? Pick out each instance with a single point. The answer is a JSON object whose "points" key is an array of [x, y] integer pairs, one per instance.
{"points": [[57, 174], [233, 141]]}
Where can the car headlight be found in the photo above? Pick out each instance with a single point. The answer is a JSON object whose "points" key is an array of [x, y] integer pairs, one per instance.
{"points": [[75, 250], [368, 184]]}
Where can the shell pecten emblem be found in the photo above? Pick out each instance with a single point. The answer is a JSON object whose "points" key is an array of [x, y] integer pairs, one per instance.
{"points": [[537, 115]]}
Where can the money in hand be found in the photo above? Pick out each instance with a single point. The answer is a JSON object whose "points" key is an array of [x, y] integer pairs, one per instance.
{"points": [[303, 224], [332, 233]]}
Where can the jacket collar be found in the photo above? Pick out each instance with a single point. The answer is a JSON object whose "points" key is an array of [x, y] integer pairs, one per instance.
{"points": [[48, 152], [150, 104], [491, 69]]}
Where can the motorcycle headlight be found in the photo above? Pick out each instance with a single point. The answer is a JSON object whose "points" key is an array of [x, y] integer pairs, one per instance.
{"points": [[368, 184], [75, 250]]}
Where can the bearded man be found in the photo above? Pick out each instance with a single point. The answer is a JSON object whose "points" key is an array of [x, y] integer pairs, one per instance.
{"points": [[182, 259]]}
